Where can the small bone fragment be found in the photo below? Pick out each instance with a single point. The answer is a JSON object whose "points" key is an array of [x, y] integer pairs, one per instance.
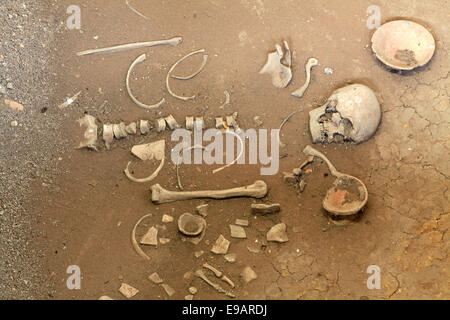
{"points": [[255, 190], [189, 123], [198, 254], [278, 233], [172, 42], [221, 245], [306, 162], [230, 257], [205, 59], [169, 290], [193, 290], [297, 172], [199, 124], [219, 123], [227, 280], [260, 208], [131, 128], [200, 274], [171, 122], [128, 291], [241, 222], [144, 126], [202, 210], [135, 11], [63, 105], [231, 121], [108, 135], [237, 232], [216, 272], [120, 130], [281, 74], [311, 63], [248, 274], [166, 218], [164, 240], [140, 59], [302, 185], [289, 178], [151, 237], [227, 99], [160, 125], [90, 134], [170, 72], [155, 278]]}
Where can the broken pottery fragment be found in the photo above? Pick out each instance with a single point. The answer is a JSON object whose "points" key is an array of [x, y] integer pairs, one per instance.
{"points": [[351, 113], [155, 278], [241, 222], [230, 257], [191, 225], [248, 274], [237, 232], [89, 139], [278, 66], [278, 233], [168, 289], [221, 245], [263, 209], [151, 237], [199, 253], [128, 291], [166, 218]]}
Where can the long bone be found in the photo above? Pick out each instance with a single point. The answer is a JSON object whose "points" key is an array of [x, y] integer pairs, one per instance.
{"points": [[256, 190], [311, 63]]}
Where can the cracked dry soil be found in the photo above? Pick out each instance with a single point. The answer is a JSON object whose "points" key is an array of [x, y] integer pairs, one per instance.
{"points": [[82, 208]]}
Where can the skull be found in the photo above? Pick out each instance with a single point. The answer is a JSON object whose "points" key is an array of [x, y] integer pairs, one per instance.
{"points": [[351, 113]]}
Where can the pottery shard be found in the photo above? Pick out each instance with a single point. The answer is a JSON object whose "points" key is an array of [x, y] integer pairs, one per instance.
{"points": [[202, 210], [221, 245], [151, 237], [241, 222], [155, 278], [231, 257], [237, 232], [128, 291], [259, 208], [169, 290], [166, 218], [277, 233], [248, 274]]}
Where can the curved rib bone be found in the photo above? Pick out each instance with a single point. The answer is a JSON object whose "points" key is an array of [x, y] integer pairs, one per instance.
{"points": [[301, 91], [257, 190]]}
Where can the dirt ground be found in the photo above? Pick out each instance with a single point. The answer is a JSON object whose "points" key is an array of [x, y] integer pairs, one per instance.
{"points": [[83, 208]]}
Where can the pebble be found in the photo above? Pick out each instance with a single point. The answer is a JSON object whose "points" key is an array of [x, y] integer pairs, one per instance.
{"points": [[14, 123], [2, 90], [9, 86], [198, 254]]}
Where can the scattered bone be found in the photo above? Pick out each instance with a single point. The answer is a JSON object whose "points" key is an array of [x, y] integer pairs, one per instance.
{"points": [[227, 99], [128, 291], [160, 125], [13, 105], [202, 210], [309, 65], [171, 122], [306, 162], [166, 218], [301, 186], [155, 278], [227, 280], [230, 257], [198, 254], [169, 290], [277, 233], [149, 151], [289, 178], [238, 157], [189, 297], [90, 134], [205, 59], [258, 121], [220, 124], [140, 59], [105, 298], [256, 190], [144, 126], [135, 11], [172, 42], [108, 135], [189, 123], [170, 72], [281, 74], [193, 290], [120, 131], [151, 237], [237, 232], [191, 225], [164, 240], [133, 238], [241, 222], [199, 124], [131, 128], [221, 245], [248, 274], [263, 209], [284, 122], [231, 121], [200, 274], [177, 165], [67, 103], [216, 272], [297, 172]]}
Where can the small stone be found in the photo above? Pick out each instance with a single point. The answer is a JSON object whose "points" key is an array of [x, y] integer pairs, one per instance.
{"points": [[248, 274], [166, 218], [2, 90], [237, 232], [202, 210], [189, 297], [169, 290], [155, 278], [221, 245], [128, 291], [241, 222], [9, 86], [328, 71], [193, 290], [151, 237], [105, 298], [14, 123], [289, 178], [257, 121], [278, 233], [164, 240], [12, 105], [263, 209], [198, 254], [231, 257]]}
